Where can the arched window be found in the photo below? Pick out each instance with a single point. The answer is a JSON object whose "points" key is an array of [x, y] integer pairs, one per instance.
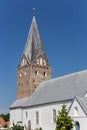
{"points": [[37, 117], [26, 114], [45, 74], [77, 126], [54, 116], [36, 72]]}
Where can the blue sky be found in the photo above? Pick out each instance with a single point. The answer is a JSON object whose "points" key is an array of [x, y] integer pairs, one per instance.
{"points": [[63, 28]]}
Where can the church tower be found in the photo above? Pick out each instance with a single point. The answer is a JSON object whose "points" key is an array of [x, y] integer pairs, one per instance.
{"points": [[34, 66]]}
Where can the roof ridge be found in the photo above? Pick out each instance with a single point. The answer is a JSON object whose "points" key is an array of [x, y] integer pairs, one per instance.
{"points": [[68, 75]]}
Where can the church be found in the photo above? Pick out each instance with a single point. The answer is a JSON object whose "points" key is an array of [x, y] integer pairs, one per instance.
{"points": [[39, 97]]}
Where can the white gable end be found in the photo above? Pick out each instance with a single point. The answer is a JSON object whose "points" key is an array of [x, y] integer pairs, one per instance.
{"points": [[76, 110]]}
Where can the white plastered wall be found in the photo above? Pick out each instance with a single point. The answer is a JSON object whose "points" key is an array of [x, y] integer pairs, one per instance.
{"points": [[16, 116], [45, 116]]}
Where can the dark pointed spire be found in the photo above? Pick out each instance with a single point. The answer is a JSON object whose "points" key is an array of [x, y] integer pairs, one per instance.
{"points": [[34, 46]]}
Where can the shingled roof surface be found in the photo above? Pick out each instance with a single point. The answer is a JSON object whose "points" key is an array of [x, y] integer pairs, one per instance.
{"points": [[34, 46], [57, 89]]}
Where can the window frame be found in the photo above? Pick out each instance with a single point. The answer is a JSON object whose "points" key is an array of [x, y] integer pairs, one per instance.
{"points": [[37, 117], [77, 127], [54, 116]]}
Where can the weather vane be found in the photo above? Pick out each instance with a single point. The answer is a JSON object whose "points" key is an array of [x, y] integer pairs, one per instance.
{"points": [[34, 11]]}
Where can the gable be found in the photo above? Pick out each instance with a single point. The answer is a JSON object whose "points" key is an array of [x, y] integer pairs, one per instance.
{"points": [[76, 110], [23, 62], [41, 61]]}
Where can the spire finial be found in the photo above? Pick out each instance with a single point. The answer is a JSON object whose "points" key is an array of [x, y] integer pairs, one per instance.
{"points": [[33, 11]]}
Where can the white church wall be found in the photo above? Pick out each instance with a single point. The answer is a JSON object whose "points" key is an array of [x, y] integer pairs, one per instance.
{"points": [[82, 122], [15, 116], [45, 116]]}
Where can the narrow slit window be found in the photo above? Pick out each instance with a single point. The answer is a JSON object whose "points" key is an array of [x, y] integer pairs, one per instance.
{"points": [[37, 118]]}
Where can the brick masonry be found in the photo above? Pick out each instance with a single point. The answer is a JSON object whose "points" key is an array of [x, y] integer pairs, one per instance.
{"points": [[30, 76]]}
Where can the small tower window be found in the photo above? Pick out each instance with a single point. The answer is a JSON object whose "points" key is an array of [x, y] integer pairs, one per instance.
{"points": [[36, 72], [27, 82], [25, 73], [44, 74]]}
